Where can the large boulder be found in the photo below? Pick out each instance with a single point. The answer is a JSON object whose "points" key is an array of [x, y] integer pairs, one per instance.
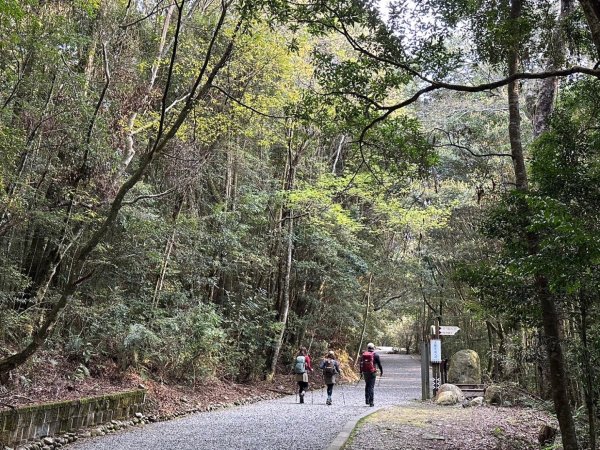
{"points": [[446, 398], [464, 368], [447, 387]]}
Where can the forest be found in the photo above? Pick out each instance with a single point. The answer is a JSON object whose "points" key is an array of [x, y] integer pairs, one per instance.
{"points": [[192, 189]]}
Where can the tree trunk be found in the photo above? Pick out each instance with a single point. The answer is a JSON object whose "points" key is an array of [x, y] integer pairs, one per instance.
{"points": [[231, 179], [587, 370], [543, 368], [549, 86], [129, 151], [365, 320], [335, 170], [499, 353], [514, 126], [550, 315], [558, 375], [284, 297], [591, 10], [285, 304], [160, 278], [492, 357]]}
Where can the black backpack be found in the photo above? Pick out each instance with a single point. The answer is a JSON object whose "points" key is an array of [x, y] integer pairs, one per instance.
{"points": [[329, 367]]}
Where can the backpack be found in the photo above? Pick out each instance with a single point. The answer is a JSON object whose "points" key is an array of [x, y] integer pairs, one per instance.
{"points": [[300, 365], [329, 368], [367, 362]]}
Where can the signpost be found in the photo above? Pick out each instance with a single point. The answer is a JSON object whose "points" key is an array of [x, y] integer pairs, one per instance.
{"points": [[447, 330], [432, 354]]}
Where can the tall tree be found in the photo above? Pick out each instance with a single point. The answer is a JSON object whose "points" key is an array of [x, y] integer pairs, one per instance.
{"points": [[166, 128]]}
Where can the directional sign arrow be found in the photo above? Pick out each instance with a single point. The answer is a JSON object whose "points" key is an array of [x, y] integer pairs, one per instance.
{"points": [[447, 330]]}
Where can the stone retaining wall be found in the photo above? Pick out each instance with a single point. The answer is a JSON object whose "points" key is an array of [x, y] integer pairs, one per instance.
{"points": [[33, 422]]}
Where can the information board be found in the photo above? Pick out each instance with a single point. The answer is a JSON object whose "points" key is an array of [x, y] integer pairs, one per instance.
{"points": [[436, 351]]}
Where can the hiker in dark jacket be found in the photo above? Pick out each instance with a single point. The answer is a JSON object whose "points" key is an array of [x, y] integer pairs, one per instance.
{"points": [[331, 369], [369, 362], [302, 366]]}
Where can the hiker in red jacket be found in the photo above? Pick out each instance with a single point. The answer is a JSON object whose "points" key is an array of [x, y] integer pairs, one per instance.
{"points": [[369, 361], [302, 366]]}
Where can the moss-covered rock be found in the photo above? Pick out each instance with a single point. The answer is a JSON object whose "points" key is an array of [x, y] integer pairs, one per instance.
{"points": [[494, 395], [507, 394], [465, 368]]}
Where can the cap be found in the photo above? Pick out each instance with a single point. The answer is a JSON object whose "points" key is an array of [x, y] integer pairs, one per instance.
{"points": [[330, 353], [370, 345]]}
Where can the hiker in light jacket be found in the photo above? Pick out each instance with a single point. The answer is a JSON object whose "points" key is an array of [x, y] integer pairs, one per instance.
{"points": [[369, 362], [301, 368], [331, 369]]}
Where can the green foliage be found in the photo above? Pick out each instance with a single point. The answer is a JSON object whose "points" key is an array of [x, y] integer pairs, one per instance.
{"points": [[189, 280], [139, 342], [551, 230]]}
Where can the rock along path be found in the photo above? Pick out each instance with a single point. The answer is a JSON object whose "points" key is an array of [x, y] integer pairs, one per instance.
{"points": [[273, 424]]}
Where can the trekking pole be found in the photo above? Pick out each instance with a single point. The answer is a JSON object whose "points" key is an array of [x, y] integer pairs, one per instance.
{"points": [[312, 393], [323, 381], [296, 387], [360, 378], [343, 395]]}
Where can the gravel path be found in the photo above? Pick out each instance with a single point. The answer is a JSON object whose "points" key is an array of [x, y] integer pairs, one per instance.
{"points": [[272, 424]]}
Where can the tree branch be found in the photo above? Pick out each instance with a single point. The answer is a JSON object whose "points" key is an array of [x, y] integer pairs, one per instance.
{"points": [[100, 100], [467, 149], [239, 102], [143, 197], [435, 85], [387, 301], [426, 301], [154, 11], [163, 108]]}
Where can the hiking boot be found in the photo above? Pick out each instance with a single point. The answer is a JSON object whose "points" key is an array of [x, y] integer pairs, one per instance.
{"points": [[371, 404], [328, 402], [302, 397]]}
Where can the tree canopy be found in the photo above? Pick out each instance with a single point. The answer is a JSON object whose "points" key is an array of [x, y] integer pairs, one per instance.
{"points": [[187, 182]]}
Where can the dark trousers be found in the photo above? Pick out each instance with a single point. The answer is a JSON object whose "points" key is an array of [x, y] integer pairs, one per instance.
{"points": [[329, 390], [302, 386], [370, 387]]}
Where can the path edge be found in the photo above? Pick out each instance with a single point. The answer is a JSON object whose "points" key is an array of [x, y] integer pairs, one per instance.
{"points": [[343, 436]]}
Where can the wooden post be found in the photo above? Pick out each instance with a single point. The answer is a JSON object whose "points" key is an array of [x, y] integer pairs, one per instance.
{"points": [[425, 370]]}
